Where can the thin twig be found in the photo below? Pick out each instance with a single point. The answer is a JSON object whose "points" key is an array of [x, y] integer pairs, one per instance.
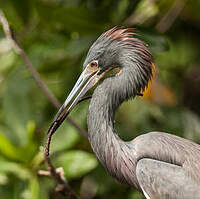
{"points": [[58, 174], [138, 17], [32, 70], [168, 19]]}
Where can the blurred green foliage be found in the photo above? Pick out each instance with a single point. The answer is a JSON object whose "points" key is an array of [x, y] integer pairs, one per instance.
{"points": [[56, 35]]}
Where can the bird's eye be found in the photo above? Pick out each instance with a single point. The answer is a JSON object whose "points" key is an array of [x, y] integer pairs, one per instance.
{"points": [[93, 64]]}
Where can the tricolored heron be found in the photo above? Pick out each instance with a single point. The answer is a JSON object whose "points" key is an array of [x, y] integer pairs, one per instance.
{"points": [[161, 165]]}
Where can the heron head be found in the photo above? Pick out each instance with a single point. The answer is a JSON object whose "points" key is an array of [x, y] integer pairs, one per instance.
{"points": [[116, 48]]}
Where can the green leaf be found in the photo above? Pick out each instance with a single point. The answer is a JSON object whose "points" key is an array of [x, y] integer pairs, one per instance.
{"points": [[17, 107], [67, 136], [20, 153], [30, 130], [7, 149], [3, 178], [7, 60], [14, 168], [33, 191], [76, 163]]}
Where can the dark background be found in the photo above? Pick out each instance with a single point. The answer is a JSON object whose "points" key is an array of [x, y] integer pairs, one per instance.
{"points": [[56, 35]]}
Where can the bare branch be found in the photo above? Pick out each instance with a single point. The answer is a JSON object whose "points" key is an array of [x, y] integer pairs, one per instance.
{"points": [[168, 19], [62, 187], [33, 72], [58, 174]]}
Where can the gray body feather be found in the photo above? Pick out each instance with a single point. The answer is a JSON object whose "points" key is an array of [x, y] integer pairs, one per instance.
{"points": [[158, 164]]}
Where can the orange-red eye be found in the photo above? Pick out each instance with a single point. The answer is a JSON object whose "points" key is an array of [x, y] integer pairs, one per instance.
{"points": [[93, 64]]}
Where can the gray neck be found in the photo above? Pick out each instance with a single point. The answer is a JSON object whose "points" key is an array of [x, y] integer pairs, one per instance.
{"points": [[106, 144], [100, 122]]}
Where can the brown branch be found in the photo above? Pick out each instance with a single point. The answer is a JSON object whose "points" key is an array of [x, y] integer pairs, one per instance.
{"points": [[32, 70], [58, 174], [168, 19], [138, 17]]}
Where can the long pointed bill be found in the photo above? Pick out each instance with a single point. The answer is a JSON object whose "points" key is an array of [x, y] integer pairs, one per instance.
{"points": [[86, 81]]}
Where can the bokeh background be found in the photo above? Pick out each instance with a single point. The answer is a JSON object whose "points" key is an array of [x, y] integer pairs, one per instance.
{"points": [[56, 35]]}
